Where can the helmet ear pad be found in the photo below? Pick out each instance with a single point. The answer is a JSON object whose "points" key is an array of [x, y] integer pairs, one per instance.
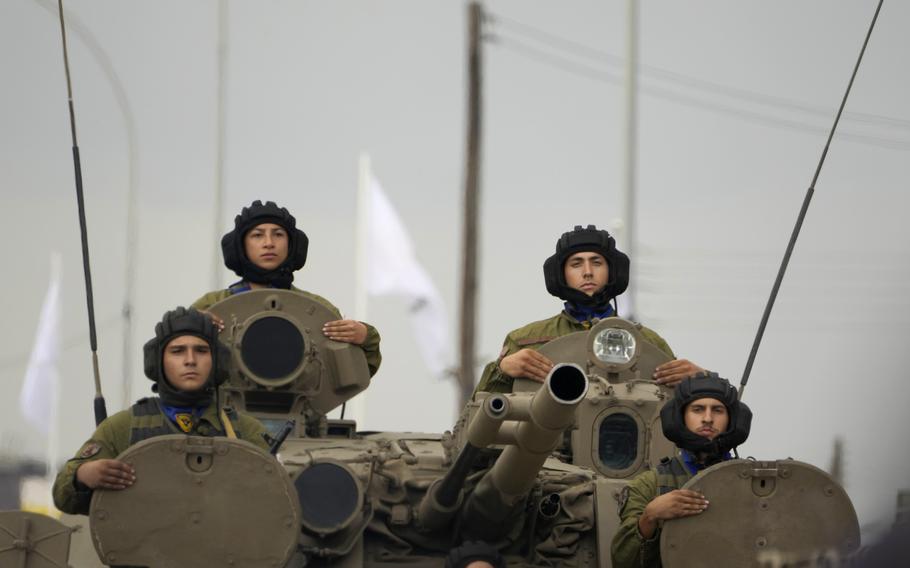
{"points": [[297, 249], [232, 252], [551, 269], [151, 359]]}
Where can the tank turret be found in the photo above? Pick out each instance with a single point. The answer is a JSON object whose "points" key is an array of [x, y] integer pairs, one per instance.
{"points": [[283, 365]]}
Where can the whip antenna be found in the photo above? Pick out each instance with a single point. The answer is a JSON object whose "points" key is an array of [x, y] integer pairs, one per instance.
{"points": [[100, 406], [802, 215]]}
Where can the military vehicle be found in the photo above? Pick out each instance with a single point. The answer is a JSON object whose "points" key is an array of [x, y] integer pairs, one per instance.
{"points": [[536, 473], [761, 511]]}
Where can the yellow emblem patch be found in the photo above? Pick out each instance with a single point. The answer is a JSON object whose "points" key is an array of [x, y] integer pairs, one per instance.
{"points": [[185, 421]]}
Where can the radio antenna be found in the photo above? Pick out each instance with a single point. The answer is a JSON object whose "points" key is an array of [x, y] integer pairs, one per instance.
{"points": [[802, 215], [100, 406]]}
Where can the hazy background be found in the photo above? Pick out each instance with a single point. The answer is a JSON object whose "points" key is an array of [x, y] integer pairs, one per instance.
{"points": [[735, 105]]}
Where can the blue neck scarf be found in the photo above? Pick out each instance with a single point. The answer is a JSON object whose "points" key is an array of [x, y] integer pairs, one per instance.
{"points": [[693, 466], [587, 313], [241, 286]]}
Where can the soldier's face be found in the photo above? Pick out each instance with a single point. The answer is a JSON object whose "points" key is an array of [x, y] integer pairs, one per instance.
{"points": [[707, 417], [586, 272], [187, 362], [266, 245]]}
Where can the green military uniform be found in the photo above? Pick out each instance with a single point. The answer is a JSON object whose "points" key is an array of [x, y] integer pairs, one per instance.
{"points": [[143, 420], [534, 336], [370, 345], [630, 549]]}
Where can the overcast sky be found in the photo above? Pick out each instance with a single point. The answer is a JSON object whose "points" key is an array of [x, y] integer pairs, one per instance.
{"points": [[736, 100]]}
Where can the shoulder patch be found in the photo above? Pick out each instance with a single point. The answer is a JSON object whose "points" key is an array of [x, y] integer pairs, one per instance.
{"points": [[535, 340], [90, 449], [622, 498]]}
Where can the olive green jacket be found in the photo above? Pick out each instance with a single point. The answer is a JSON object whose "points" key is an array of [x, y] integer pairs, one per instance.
{"points": [[630, 549], [112, 438], [370, 345], [534, 336]]}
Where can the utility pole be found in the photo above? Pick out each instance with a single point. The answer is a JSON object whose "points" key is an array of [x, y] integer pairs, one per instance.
{"points": [[631, 155], [471, 194]]}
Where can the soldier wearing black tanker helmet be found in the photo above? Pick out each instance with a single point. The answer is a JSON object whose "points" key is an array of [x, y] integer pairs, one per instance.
{"points": [[587, 272], [265, 248], [706, 421], [187, 364]]}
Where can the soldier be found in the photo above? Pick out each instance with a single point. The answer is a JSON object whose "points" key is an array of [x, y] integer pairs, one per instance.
{"points": [[706, 420], [586, 272], [265, 249], [187, 364]]}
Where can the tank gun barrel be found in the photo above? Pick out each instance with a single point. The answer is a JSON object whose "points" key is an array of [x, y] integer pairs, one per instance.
{"points": [[445, 495], [550, 412], [531, 425]]}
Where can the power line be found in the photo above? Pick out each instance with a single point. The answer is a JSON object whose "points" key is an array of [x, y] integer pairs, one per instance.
{"points": [[568, 65], [604, 57]]}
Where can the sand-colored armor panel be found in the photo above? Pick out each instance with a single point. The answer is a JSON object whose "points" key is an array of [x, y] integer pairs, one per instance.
{"points": [[198, 502], [280, 352], [759, 510]]}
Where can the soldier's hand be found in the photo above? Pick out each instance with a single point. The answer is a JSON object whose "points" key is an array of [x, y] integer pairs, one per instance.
{"points": [[348, 331], [526, 363], [219, 323], [676, 370], [672, 505], [106, 474]]}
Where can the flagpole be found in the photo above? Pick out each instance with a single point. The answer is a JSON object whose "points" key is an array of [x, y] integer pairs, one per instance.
{"points": [[220, 114], [53, 432], [357, 407]]}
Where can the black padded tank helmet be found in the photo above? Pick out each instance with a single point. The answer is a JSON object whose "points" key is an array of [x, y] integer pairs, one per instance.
{"points": [[588, 239], [235, 255], [175, 323], [706, 385]]}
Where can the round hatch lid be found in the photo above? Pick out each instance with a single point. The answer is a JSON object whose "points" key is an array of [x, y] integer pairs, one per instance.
{"points": [[762, 512], [198, 502]]}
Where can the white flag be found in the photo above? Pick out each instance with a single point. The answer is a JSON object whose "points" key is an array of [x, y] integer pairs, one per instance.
{"points": [[393, 269], [38, 399]]}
